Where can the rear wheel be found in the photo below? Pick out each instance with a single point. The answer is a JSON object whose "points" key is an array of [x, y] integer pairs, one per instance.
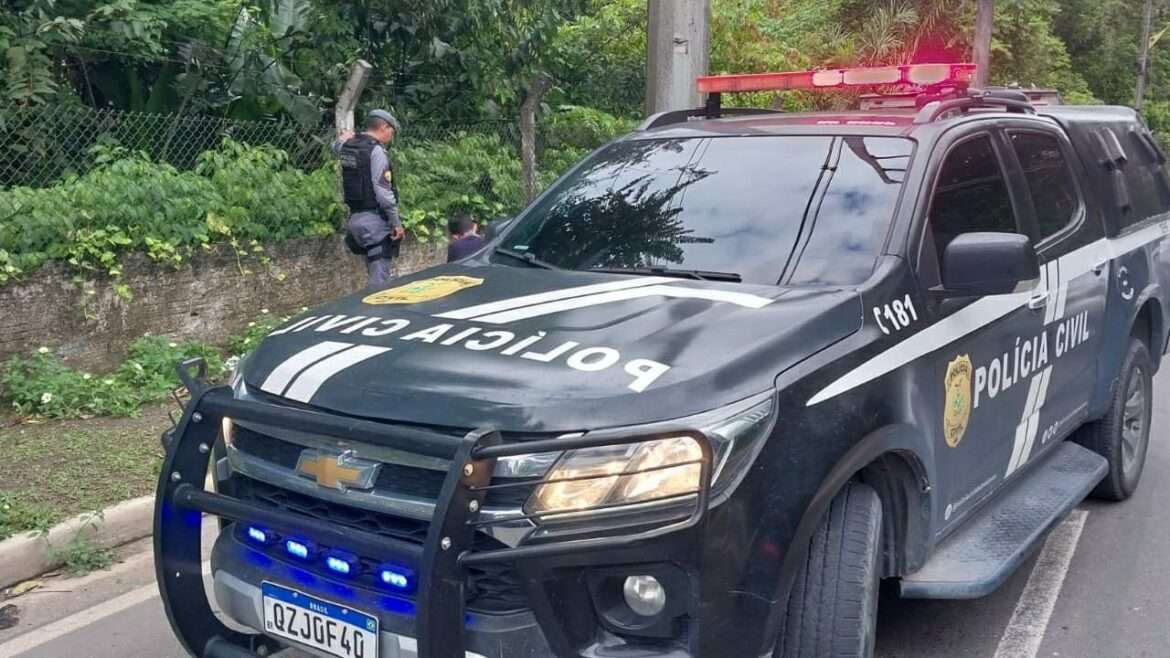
{"points": [[1122, 436], [832, 610]]}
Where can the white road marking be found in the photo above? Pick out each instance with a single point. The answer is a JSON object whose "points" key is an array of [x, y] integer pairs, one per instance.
{"points": [[43, 635], [1029, 623]]}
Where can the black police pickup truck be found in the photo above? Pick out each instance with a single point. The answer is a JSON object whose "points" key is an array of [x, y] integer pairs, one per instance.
{"points": [[700, 397]]}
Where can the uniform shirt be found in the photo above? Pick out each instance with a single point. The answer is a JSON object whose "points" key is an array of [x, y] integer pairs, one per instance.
{"points": [[383, 185], [463, 247], [380, 174]]}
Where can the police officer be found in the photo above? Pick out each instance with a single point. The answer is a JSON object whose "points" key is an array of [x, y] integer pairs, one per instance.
{"points": [[375, 229]]}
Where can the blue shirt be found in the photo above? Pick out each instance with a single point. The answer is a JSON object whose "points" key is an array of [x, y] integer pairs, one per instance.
{"points": [[463, 247]]}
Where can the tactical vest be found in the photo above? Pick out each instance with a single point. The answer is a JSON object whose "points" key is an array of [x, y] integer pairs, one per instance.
{"points": [[356, 180]]}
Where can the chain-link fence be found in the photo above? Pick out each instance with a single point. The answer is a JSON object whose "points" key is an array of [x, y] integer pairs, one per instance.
{"points": [[39, 147]]}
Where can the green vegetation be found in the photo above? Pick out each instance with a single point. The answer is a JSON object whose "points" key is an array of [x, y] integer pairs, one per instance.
{"points": [[238, 194], [81, 556], [41, 385], [17, 515], [248, 196], [468, 60], [438, 64], [54, 470]]}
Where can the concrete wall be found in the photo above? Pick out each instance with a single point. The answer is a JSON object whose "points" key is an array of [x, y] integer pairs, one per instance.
{"points": [[211, 297]]}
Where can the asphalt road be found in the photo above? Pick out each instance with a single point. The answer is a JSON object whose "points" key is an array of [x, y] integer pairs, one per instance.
{"points": [[1099, 588]]}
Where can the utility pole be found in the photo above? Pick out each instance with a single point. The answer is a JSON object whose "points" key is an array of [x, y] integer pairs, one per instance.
{"points": [[984, 22], [1143, 77], [677, 45]]}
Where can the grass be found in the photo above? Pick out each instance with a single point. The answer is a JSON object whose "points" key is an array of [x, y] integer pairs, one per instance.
{"points": [[17, 515], [53, 470], [81, 556]]}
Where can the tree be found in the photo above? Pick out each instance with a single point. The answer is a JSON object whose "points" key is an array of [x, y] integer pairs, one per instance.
{"points": [[981, 47]]}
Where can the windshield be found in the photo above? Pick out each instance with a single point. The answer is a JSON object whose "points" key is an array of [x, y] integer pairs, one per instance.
{"points": [[732, 205]]}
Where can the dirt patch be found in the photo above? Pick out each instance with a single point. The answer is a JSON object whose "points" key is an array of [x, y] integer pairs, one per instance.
{"points": [[56, 469]]}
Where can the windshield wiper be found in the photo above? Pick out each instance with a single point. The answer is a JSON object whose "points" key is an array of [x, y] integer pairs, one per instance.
{"points": [[528, 259], [701, 275]]}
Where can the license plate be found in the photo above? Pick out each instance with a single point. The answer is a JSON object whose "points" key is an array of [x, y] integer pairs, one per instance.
{"points": [[334, 629]]}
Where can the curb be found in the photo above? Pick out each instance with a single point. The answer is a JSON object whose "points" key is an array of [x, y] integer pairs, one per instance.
{"points": [[30, 554]]}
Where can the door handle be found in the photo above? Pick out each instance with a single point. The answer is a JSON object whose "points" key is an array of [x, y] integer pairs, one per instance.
{"points": [[1099, 266], [1039, 300]]}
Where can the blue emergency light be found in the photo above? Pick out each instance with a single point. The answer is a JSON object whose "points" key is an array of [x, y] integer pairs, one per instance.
{"points": [[396, 577], [260, 535], [298, 548], [341, 563]]}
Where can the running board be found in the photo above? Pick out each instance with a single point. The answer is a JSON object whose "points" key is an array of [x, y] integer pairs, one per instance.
{"points": [[990, 546]]}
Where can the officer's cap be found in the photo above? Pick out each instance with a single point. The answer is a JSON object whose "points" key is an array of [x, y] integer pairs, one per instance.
{"points": [[383, 115]]}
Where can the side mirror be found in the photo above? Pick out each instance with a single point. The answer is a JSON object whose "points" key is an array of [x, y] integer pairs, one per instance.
{"points": [[496, 227], [977, 264]]}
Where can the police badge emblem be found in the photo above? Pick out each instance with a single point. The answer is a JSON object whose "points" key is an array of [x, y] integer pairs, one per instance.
{"points": [[957, 406], [424, 290]]}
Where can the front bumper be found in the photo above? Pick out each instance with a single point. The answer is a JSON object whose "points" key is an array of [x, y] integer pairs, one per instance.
{"points": [[238, 571], [440, 626]]}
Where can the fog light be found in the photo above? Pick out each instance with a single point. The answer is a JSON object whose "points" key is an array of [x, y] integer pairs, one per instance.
{"points": [[297, 548], [645, 595]]}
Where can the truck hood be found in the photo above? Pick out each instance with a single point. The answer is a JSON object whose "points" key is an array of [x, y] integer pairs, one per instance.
{"points": [[525, 349]]}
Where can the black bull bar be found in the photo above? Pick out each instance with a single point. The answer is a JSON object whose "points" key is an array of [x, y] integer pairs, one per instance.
{"points": [[440, 560]]}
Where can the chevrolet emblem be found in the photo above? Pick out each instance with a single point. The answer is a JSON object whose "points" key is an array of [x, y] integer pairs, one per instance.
{"points": [[338, 471]]}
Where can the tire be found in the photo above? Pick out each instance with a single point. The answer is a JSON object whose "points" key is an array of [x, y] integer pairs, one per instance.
{"points": [[1122, 435], [832, 609]]}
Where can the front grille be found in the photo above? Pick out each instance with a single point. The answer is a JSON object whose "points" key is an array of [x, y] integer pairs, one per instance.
{"points": [[495, 588], [395, 479]]}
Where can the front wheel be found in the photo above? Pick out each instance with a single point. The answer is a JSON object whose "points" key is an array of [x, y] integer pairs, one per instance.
{"points": [[832, 610], [1122, 436]]}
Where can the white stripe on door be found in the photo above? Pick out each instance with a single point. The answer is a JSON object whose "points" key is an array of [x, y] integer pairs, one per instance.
{"points": [[984, 312]]}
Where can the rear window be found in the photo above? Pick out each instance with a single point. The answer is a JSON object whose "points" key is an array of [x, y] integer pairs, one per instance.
{"points": [[1050, 181], [817, 207]]}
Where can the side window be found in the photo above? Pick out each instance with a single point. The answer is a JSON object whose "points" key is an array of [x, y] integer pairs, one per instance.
{"points": [[970, 195], [1054, 192]]}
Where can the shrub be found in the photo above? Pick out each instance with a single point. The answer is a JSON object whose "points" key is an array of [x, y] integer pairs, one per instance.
{"points": [[150, 368], [128, 203], [42, 385], [246, 341], [248, 196], [474, 172], [581, 128]]}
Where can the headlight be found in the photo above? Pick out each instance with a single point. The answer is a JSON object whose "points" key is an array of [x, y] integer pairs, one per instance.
{"points": [[657, 470], [620, 475]]}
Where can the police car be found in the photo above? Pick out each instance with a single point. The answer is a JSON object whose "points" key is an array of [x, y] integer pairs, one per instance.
{"points": [[701, 397]]}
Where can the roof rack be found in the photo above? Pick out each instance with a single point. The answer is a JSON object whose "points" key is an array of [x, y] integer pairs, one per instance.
{"points": [[1009, 100], [682, 116]]}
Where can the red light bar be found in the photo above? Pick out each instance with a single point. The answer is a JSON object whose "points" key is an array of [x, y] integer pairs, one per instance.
{"points": [[917, 75]]}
